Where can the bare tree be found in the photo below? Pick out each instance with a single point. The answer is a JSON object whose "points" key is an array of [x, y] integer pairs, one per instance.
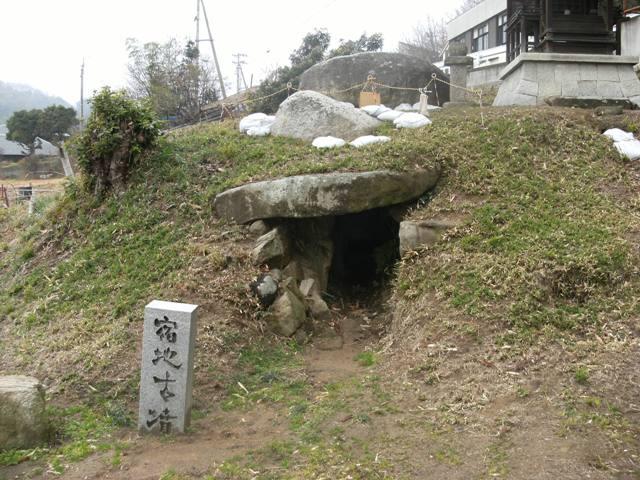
{"points": [[428, 40], [467, 5]]}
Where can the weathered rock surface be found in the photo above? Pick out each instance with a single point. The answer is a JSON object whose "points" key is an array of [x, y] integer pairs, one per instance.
{"points": [[308, 115], [420, 234], [287, 314], [23, 421], [395, 69], [307, 196], [265, 288], [271, 249]]}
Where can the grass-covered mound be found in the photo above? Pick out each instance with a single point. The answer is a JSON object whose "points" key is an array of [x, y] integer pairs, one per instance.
{"points": [[546, 253], [549, 217]]}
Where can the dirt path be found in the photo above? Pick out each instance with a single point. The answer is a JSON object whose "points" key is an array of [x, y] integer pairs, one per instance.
{"points": [[223, 435]]}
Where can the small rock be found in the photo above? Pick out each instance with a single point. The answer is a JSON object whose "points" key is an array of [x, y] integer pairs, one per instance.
{"points": [[609, 111], [271, 249], [23, 420], [265, 288], [306, 286], [276, 274], [319, 308], [259, 227], [287, 314], [419, 234]]}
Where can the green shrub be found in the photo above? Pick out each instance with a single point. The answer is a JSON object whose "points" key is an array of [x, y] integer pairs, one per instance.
{"points": [[119, 130]]}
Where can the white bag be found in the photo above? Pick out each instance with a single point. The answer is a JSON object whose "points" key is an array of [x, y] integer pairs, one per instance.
{"points": [[618, 135], [389, 116], [368, 140], [629, 149], [256, 120], [328, 142], [411, 120]]}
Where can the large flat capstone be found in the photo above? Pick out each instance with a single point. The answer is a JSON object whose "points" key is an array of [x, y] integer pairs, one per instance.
{"points": [[306, 196]]}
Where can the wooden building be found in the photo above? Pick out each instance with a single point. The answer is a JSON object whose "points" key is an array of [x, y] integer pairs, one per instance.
{"points": [[560, 26]]}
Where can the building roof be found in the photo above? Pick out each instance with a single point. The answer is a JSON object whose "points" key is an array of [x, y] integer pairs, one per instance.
{"points": [[15, 149], [474, 17], [45, 148]]}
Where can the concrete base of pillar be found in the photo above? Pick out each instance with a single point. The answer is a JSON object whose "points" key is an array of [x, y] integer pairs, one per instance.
{"points": [[532, 78]]}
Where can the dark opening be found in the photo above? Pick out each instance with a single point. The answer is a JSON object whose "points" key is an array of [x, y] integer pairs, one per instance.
{"points": [[365, 248]]}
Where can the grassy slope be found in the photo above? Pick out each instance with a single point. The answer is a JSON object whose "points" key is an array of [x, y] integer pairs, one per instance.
{"points": [[546, 250]]}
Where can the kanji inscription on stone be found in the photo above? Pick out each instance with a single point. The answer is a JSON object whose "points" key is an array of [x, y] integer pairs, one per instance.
{"points": [[167, 367]]}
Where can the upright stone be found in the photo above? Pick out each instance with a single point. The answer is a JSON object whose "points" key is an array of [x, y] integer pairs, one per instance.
{"points": [[167, 367], [458, 63]]}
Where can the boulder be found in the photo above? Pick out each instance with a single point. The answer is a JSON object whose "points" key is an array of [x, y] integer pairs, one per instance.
{"points": [[271, 249], [309, 115], [306, 196], [393, 69], [23, 421], [287, 314]]}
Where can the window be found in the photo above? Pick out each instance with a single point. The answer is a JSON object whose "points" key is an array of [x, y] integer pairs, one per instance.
{"points": [[480, 38], [502, 29]]}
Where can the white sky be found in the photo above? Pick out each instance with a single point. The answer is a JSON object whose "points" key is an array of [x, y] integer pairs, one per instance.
{"points": [[43, 42]]}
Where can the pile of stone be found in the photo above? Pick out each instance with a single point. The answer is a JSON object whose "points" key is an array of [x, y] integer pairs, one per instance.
{"points": [[625, 143], [294, 219]]}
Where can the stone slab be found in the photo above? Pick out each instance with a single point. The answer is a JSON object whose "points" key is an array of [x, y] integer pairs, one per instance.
{"points": [[166, 377], [308, 196]]}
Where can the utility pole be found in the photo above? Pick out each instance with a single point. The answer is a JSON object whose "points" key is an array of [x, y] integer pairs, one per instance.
{"points": [[238, 62], [210, 39], [82, 95]]}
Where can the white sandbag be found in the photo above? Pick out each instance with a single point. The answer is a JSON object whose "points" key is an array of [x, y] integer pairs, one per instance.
{"points": [[618, 135], [328, 142], [629, 149], [406, 107], [374, 110], [411, 120], [382, 110], [256, 120], [259, 131], [368, 140], [389, 115]]}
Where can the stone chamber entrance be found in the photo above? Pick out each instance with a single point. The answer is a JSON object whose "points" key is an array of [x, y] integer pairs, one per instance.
{"points": [[366, 247]]}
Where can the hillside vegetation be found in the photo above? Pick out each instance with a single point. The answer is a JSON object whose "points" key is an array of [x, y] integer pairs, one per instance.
{"points": [[512, 343]]}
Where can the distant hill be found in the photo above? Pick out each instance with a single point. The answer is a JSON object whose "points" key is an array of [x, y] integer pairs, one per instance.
{"points": [[14, 97]]}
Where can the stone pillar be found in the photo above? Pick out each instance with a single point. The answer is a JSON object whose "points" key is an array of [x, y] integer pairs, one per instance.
{"points": [[458, 63], [167, 367]]}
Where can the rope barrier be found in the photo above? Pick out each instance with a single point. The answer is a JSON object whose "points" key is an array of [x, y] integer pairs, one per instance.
{"points": [[228, 108]]}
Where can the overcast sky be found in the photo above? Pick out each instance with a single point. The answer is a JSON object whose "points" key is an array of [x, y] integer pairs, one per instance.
{"points": [[43, 42]]}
